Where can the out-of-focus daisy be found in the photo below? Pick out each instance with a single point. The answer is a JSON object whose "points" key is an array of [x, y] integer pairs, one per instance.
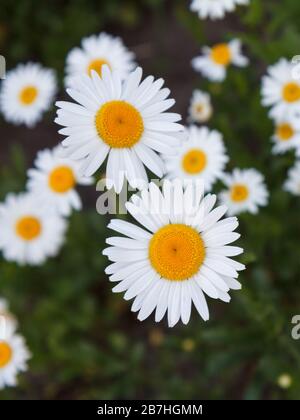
{"points": [[5, 314], [180, 251], [125, 121], [214, 61], [96, 51], [30, 232], [201, 156], [246, 191], [200, 109], [13, 356], [292, 183], [54, 180], [215, 9], [27, 92], [281, 91], [286, 136]]}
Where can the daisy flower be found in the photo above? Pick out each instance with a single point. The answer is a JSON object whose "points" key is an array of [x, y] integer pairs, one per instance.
{"points": [[246, 191], [125, 121], [215, 9], [54, 180], [96, 51], [292, 183], [181, 252], [26, 93], [13, 356], [29, 231], [200, 109], [201, 156], [281, 91], [286, 136], [213, 62]]}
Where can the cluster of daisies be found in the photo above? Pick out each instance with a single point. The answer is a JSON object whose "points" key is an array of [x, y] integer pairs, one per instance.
{"points": [[13, 350], [281, 92]]}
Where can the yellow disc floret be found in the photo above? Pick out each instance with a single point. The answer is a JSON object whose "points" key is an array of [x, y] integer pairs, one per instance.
{"points": [[28, 228], [61, 179], [5, 353], [176, 252], [291, 92], [28, 95], [239, 192], [96, 65], [284, 131], [194, 161], [119, 124], [221, 54]]}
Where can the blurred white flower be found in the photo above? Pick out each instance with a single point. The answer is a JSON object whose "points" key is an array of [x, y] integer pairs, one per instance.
{"points": [[215, 9], [246, 191], [214, 61], [201, 156], [200, 109], [54, 179], [286, 136], [292, 184], [30, 232], [13, 356], [177, 254], [281, 91], [125, 121], [95, 51], [26, 93]]}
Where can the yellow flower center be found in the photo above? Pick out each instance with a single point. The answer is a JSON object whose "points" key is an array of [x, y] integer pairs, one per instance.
{"points": [[239, 192], [96, 65], [5, 353], [28, 228], [291, 92], [284, 131], [199, 108], [176, 252], [221, 54], [194, 161], [61, 179], [119, 124], [28, 95]]}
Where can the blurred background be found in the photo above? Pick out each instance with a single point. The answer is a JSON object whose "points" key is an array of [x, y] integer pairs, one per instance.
{"points": [[86, 344]]}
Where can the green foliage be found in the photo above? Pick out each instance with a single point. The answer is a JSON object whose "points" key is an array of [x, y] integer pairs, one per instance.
{"points": [[84, 340]]}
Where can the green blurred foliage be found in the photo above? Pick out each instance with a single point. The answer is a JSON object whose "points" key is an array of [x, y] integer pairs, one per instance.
{"points": [[84, 340]]}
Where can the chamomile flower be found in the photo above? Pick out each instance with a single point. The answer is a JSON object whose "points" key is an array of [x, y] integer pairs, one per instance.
{"points": [[201, 156], [286, 136], [125, 121], [180, 252], [13, 356], [54, 179], [26, 93], [200, 109], [292, 183], [6, 315], [281, 91], [246, 191], [214, 61], [30, 232], [215, 9], [96, 51]]}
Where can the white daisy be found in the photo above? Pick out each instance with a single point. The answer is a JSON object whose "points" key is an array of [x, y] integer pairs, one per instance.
{"points": [[215, 9], [292, 184], [54, 180], [125, 121], [29, 231], [213, 62], [286, 136], [96, 51], [281, 91], [200, 109], [246, 191], [201, 156], [26, 93], [180, 251], [13, 356]]}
